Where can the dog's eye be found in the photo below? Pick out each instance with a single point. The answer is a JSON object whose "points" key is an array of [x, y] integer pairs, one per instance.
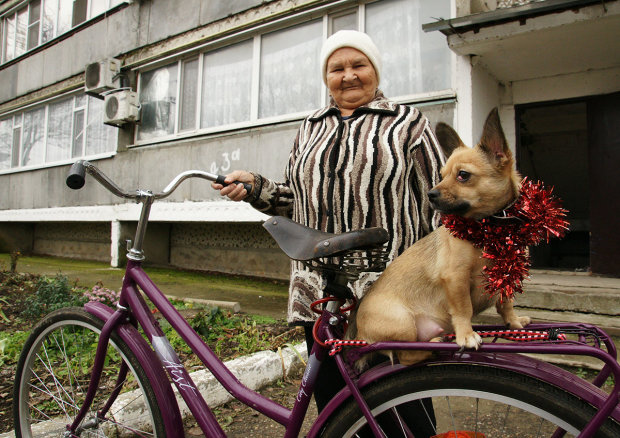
{"points": [[463, 175]]}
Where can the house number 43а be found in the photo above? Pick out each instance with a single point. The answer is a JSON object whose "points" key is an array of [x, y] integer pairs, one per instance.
{"points": [[224, 164]]}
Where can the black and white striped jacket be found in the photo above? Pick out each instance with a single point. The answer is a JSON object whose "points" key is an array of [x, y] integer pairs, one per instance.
{"points": [[370, 170]]}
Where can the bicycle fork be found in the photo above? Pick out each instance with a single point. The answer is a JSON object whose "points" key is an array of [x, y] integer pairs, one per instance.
{"points": [[102, 347]]}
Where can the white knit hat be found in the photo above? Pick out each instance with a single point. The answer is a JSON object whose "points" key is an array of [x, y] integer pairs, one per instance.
{"points": [[354, 39]]}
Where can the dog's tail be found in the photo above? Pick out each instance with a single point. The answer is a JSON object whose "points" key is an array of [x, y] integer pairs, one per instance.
{"points": [[365, 361], [352, 327]]}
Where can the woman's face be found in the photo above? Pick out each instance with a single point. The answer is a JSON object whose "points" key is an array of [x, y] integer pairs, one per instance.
{"points": [[351, 79]]}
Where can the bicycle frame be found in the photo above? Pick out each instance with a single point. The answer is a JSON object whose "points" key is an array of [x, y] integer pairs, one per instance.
{"points": [[131, 298], [133, 311], [487, 355]]}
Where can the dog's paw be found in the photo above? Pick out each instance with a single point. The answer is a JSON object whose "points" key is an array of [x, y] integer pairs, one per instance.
{"points": [[519, 322], [471, 340]]}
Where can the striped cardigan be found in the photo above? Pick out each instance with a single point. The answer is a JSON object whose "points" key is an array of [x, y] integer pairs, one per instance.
{"points": [[371, 170]]}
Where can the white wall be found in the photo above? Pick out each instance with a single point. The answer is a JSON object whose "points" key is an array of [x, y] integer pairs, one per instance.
{"points": [[567, 86], [478, 92]]}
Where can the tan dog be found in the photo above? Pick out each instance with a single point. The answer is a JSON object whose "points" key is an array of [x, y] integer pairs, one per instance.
{"points": [[437, 285]]}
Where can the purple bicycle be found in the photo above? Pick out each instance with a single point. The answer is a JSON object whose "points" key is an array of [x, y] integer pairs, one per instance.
{"points": [[126, 389]]}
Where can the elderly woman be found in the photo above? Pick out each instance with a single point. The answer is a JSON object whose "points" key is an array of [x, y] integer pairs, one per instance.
{"points": [[362, 161]]}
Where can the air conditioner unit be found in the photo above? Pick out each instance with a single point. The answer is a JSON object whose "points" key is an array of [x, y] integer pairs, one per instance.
{"points": [[121, 107], [102, 76]]}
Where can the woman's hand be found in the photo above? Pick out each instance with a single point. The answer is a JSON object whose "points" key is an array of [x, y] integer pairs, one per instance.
{"points": [[235, 192]]}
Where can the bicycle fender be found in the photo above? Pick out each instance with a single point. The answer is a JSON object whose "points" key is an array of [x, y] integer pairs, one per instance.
{"points": [[151, 365], [507, 361]]}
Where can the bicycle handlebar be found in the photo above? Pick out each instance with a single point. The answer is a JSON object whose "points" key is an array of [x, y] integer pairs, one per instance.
{"points": [[76, 180]]}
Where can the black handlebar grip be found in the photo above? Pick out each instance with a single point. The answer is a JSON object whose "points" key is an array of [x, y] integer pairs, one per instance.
{"points": [[220, 180], [75, 179]]}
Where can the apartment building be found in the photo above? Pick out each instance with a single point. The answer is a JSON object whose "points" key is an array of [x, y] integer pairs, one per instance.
{"points": [[147, 89]]}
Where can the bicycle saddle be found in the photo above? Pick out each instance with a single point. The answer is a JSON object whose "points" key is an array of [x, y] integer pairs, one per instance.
{"points": [[303, 243]]}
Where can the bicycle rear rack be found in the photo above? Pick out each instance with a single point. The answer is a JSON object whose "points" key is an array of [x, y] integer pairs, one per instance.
{"points": [[565, 339]]}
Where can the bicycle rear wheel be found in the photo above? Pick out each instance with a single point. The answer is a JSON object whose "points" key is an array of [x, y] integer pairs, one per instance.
{"points": [[489, 402], [53, 375]]}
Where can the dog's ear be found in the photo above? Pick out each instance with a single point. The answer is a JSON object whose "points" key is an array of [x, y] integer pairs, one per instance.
{"points": [[448, 139], [493, 141]]}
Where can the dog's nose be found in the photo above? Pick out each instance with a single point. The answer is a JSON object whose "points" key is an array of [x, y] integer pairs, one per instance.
{"points": [[433, 194]]}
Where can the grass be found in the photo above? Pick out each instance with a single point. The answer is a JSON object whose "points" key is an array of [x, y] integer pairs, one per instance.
{"points": [[228, 334], [26, 298], [256, 296]]}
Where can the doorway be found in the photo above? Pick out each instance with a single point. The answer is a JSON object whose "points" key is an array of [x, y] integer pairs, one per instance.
{"points": [[573, 146]]}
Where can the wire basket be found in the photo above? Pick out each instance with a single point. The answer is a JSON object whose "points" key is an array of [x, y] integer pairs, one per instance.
{"points": [[352, 263]]}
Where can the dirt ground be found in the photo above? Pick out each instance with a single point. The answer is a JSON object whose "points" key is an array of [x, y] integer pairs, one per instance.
{"points": [[15, 287], [240, 421]]}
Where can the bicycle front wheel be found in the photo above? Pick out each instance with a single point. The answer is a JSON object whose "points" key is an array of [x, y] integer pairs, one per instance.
{"points": [[53, 374], [467, 401]]}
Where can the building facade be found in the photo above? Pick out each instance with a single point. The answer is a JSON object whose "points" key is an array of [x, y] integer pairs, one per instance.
{"points": [[224, 85]]}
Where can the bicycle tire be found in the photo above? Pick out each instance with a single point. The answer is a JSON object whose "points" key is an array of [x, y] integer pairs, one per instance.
{"points": [[491, 393], [52, 377]]}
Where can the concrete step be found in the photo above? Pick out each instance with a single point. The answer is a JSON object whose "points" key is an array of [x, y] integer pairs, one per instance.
{"points": [[557, 296], [571, 292]]}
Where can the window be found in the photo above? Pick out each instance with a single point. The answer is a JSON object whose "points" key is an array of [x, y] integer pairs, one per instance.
{"points": [[100, 138], [77, 136], [413, 61], [59, 131], [33, 137], [158, 98], [227, 85], [42, 20], [345, 21], [6, 142], [17, 140], [189, 95], [20, 31], [289, 73], [275, 75], [34, 20]]}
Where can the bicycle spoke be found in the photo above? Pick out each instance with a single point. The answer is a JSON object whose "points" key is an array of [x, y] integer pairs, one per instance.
{"points": [[540, 426], [477, 417], [429, 419], [139, 433], [451, 415], [47, 366], [58, 384], [506, 417], [61, 402], [128, 403], [70, 373], [401, 423], [55, 375], [43, 414]]}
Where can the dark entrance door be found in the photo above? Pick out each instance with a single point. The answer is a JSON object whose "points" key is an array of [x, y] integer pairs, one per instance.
{"points": [[574, 146], [604, 142], [552, 147]]}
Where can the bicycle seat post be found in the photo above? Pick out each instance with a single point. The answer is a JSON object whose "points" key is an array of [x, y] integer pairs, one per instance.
{"points": [[336, 285], [136, 253]]}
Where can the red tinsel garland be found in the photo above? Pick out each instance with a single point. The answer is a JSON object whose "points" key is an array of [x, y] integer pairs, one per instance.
{"points": [[537, 215]]}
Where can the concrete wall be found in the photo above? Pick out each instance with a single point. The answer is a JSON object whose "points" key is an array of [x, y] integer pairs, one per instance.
{"points": [[243, 248], [139, 24], [193, 228], [263, 149], [90, 241], [16, 237]]}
